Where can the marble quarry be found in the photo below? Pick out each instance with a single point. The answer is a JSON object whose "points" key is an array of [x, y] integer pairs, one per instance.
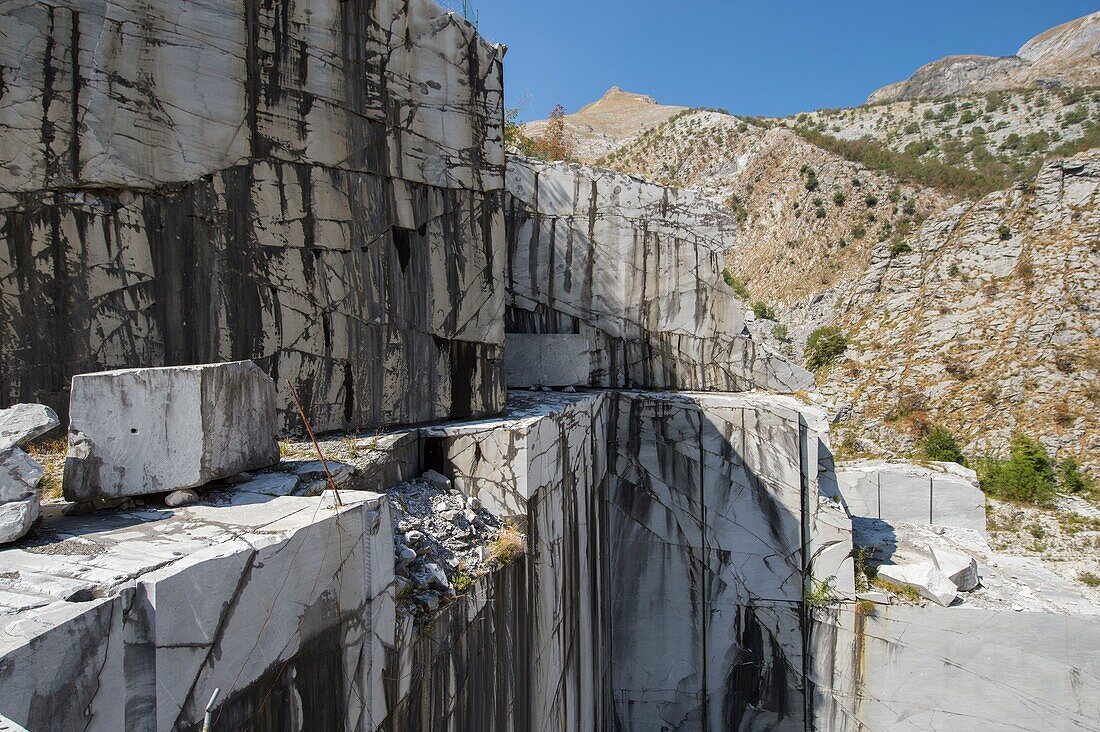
{"points": [[314, 185], [139, 431], [635, 268], [201, 202]]}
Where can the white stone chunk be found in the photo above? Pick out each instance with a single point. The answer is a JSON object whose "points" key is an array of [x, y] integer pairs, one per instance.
{"points": [[185, 497], [925, 578], [19, 474], [141, 431], [959, 568], [272, 484], [22, 423], [17, 517]]}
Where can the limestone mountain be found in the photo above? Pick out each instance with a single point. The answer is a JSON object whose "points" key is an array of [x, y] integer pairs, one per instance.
{"points": [[608, 123], [1065, 56]]}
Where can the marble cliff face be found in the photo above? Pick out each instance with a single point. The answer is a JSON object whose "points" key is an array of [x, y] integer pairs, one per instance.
{"points": [[315, 186], [633, 272]]}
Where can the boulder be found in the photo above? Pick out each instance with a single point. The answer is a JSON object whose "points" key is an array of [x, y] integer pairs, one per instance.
{"points": [[22, 423], [17, 517], [436, 480], [177, 499], [19, 474], [925, 578], [961, 569], [141, 431]]}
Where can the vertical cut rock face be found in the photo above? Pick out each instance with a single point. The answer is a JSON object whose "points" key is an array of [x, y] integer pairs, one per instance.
{"points": [[636, 268], [311, 184], [143, 431]]}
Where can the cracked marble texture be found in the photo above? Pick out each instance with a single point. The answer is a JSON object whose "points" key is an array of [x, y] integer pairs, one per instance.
{"points": [[636, 268], [144, 94], [909, 668], [130, 620], [310, 184], [667, 556]]}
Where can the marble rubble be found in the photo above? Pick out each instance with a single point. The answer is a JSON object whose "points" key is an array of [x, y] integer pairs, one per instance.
{"points": [[19, 473], [141, 431], [925, 577], [314, 185], [961, 569], [635, 268]]}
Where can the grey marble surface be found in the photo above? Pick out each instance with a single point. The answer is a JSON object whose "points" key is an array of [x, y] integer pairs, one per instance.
{"points": [[314, 185]]}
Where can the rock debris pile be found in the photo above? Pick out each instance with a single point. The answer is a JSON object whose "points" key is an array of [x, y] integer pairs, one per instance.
{"points": [[19, 473], [443, 541]]}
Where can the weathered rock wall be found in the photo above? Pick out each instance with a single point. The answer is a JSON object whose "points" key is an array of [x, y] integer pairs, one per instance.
{"points": [[313, 185], [637, 269]]}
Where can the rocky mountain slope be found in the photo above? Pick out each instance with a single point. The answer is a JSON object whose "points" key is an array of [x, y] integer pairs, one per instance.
{"points": [[1067, 55], [985, 321], [955, 243]]}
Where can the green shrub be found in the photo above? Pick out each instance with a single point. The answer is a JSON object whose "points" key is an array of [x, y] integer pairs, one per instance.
{"points": [[824, 346], [871, 200], [1025, 477], [1004, 232], [899, 247], [940, 445], [740, 289], [820, 594], [780, 332], [819, 213], [762, 311], [1071, 480], [839, 198]]}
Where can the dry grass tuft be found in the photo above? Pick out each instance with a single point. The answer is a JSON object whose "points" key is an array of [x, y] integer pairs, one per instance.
{"points": [[509, 546]]}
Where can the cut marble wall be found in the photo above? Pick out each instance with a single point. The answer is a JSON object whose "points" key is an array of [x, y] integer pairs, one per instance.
{"points": [[667, 560], [637, 268], [311, 184]]}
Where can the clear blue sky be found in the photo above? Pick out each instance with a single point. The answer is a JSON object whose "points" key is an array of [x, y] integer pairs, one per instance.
{"points": [[770, 57]]}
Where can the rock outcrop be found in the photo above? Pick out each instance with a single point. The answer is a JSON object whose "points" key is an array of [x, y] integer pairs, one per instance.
{"points": [[613, 120], [1062, 56]]}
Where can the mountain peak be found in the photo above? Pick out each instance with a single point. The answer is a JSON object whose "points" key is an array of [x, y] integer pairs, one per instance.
{"points": [[1066, 55]]}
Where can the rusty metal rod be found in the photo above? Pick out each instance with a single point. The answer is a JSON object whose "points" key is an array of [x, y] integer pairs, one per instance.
{"points": [[316, 445]]}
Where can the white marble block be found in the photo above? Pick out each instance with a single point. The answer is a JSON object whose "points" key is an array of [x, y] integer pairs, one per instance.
{"points": [[142, 431]]}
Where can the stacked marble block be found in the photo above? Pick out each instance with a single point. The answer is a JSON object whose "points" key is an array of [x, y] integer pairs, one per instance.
{"points": [[942, 494], [19, 473], [313, 185], [672, 539], [614, 281]]}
